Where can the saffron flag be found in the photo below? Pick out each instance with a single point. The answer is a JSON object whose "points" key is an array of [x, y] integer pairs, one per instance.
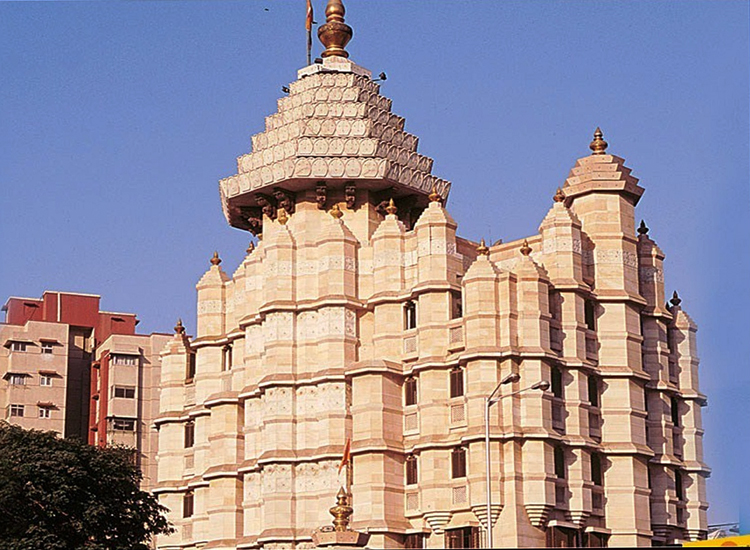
{"points": [[347, 454], [309, 21]]}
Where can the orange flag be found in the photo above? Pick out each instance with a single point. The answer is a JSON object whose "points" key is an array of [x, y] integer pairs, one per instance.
{"points": [[309, 22], [347, 454]]}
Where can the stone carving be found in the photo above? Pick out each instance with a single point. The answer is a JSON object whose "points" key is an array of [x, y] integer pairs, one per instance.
{"points": [[321, 192], [648, 274], [265, 203], [284, 199], [350, 195], [209, 306]]}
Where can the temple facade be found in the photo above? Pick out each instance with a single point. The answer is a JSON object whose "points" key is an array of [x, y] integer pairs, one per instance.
{"points": [[360, 316]]}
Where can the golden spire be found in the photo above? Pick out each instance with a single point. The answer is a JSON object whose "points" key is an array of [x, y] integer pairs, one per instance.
{"points": [[282, 216], [391, 208], [335, 34], [598, 146], [525, 248], [215, 260], [435, 196], [482, 249], [559, 195], [341, 512], [336, 212]]}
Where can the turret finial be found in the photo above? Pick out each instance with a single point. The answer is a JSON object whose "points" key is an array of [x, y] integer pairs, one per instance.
{"points": [[643, 229], [250, 247], [282, 216], [676, 300], [178, 328], [336, 212], [598, 146], [435, 196], [215, 260], [335, 34], [525, 248], [482, 249], [559, 195], [391, 208], [341, 512]]}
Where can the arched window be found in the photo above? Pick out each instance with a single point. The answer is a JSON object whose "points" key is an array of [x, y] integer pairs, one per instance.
{"points": [[410, 315], [458, 463], [189, 434], [412, 473], [188, 502], [226, 358], [410, 391]]}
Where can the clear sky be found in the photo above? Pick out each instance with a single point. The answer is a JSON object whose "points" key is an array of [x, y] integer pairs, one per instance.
{"points": [[119, 118]]}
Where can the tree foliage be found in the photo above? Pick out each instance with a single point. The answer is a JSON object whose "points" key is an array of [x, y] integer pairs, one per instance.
{"points": [[63, 494]]}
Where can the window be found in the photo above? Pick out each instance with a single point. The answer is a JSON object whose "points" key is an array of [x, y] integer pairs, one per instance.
{"points": [[463, 537], [561, 537], [189, 434], [17, 379], [125, 360], [457, 308], [45, 412], [190, 374], [410, 315], [188, 502], [589, 311], [557, 383], [414, 540], [458, 463], [18, 346], [127, 392], [412, 474], [45, 380], [47, 347], [670, 339], [16, 410], [596, 469], [679, 486], [593, 390], [560, 470], [675, 409], [457, 382], [410, 391], [553, 298], [123, 424], [595, 540], [226, 357]]}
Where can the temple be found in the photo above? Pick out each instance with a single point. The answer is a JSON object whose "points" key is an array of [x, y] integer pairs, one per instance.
{"points": [[361, 316]]}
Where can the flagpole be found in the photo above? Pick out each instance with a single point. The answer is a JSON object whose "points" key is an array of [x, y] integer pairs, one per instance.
{"points": [[308, 26], [309, 46]]}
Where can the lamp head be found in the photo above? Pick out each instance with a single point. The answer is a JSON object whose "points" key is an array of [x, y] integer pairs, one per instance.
{"points": [[512, 377], [543, 386]]}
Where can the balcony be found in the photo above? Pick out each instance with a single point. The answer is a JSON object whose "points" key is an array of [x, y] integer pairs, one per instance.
{"points": [[597, 501], [595, 425], [592, 347], [558, 414]]}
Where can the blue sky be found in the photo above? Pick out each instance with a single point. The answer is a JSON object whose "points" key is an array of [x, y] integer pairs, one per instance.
{"points": [[119, 118]]}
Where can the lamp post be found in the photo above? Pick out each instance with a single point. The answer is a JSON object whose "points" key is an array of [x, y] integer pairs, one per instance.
{"points": [[488, 402]]}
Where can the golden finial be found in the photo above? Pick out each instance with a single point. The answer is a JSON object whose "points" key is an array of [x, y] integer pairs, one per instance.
{"points": [[178, 328], [676, 300], [435, 196], [335, 34], [215, 260], [525, 248], [482, 249], [643, 229], [598, 146], [342, 511], [559, 195], [391, 208], [250, 247], [282, 216], [336, 211]]}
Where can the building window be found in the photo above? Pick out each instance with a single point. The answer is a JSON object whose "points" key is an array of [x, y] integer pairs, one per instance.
{"points": [[675, 409], [188, 503], [18, 346], [560, 470], [596, 469], [190, 374], [457, 306], [226, 357], [458, 463], [463, 537], [457, 382], [412, 474], [555, 309], [123, 424], [414, 540], [189, 434], [16, 410], [47, 347], [593, 390], [557, 383], [17, 379], [45, 380], [125, 360], [126, 392], [561, 537], [679, 486], [410, 315], [410, 391], [589, 311], [45, 412], [670, 339], [595, 540]]}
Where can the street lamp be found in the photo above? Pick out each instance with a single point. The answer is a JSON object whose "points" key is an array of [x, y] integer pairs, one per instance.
{"points": [[488, 402]]}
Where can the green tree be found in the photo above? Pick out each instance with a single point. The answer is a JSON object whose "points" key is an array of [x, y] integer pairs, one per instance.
{"points": [[63, 494]]}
